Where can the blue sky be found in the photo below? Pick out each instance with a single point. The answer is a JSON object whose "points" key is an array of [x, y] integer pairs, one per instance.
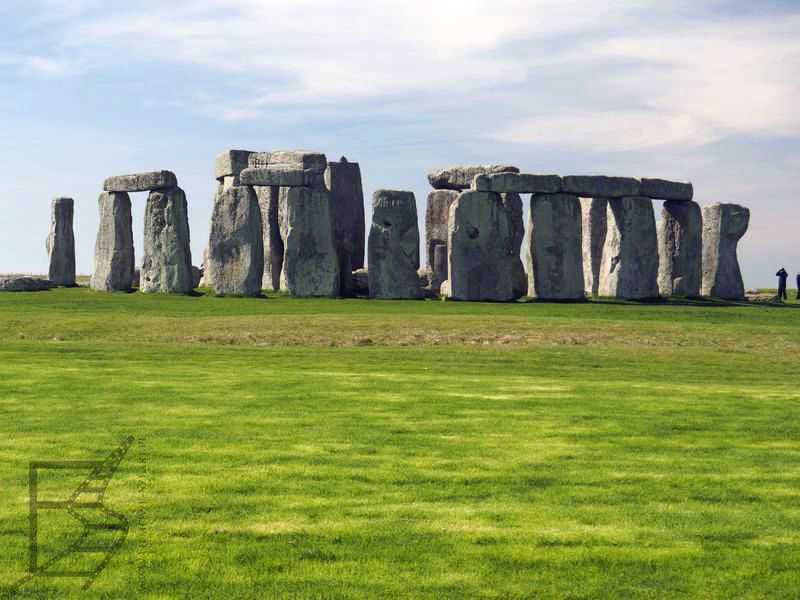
{"points": [[701, 91]]}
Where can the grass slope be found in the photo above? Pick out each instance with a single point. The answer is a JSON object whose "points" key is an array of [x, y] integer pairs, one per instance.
{"points": [[352, 448]]}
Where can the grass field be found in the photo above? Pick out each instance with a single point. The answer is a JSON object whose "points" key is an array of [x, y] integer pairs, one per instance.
{"points": [[353, 448]]}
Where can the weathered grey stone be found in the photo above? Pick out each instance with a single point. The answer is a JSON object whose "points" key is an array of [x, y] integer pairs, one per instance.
{"points": [[436, 214], [141, 182], [231, 163], [61, 242], [292, 160], [394, 246], [281, 176], [235, 247], [167, 255], [137, 277], [555, 256], [310, 266], [205, 279], [594, 225], [629, 268], [519, 183], [680, 249], [361, 282], [113, 252], [439, 271], [661, 189], [197, 277], [25, 284], [600, 186], [268, 198], [723, 227], [460, 178], [229, 182], [513, 205], [480, 265], [343, 180]]}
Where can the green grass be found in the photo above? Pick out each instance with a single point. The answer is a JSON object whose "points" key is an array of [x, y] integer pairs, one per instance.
{"points": [[353, 448]]}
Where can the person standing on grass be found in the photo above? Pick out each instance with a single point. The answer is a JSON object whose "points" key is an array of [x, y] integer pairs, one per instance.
{"points": [[798, 285], [782, 276]]}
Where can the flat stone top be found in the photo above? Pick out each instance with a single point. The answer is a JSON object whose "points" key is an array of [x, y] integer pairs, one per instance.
{"points": [[304, 160], [460, 178], [231, 162], [141, 182], [520, 183], [281, 175], [601, 186], [661, 189]]}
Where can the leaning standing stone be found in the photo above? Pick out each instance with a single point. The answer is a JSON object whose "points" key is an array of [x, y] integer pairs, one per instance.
{"points": [[167, 256], [343, 180], [310, 266], [594, 225], [394, 246], [680, 249], [235, 248], [723, 227], [629, 268], [555, 252], [480, 250], [61, 242], [113, 251]]}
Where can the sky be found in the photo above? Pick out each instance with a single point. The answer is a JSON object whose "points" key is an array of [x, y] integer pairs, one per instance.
{"points": [[700, 91]]}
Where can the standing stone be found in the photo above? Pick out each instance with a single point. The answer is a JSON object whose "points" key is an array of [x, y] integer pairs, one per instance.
{"points": [[594, 225], [310, 266], [513, 204], [235, 247], [480, 253], [439, 271], [680, 249], [167, 255], [113, 250], [343, 180], [205, 280], [629, 268], [61, 242], [436, 215], [268, 198], [394, 246], [723, 227], [555, 253]]}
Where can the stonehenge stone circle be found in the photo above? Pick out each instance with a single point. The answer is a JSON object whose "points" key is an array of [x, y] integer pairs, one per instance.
{"points": [[61, 242], [680, 249], [661, 189], [723, 227], [167, 256], [629, 268], [460, 178], [513, 205], [113, 254], [343, 180], [437, 212], [393, 246], [141, 182], [235, 247], [600, 186], [555, 253], [310, 265], [594, 224], [479, 248], [519, 183]]}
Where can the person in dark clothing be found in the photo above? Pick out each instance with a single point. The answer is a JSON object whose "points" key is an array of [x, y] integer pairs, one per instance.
{"points": [[782, 276], [798, 285]]}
